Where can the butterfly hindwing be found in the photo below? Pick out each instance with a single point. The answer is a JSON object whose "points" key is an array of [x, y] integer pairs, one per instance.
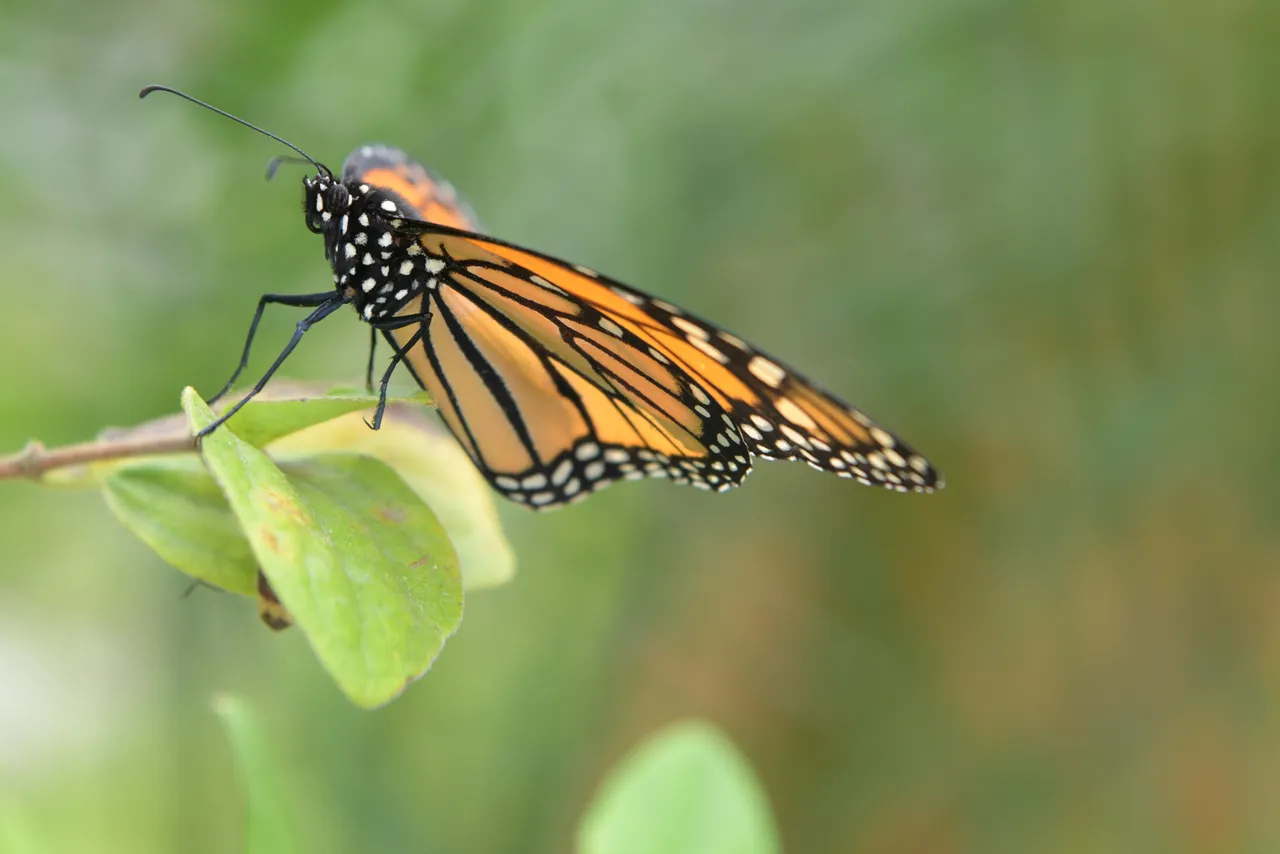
{"points": [[549, 398]]}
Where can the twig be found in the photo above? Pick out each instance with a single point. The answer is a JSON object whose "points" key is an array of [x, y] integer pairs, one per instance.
{"points": [[35, 460]]}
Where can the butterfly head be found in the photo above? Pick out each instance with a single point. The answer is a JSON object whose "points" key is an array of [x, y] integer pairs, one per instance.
{"points": [[325, 201]]}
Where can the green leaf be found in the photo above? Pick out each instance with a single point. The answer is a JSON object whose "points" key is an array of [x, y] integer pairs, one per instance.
{"points": [[263, 420], [687, 790], [268, 828], [431, 461], [173, 505], [353, 553]]}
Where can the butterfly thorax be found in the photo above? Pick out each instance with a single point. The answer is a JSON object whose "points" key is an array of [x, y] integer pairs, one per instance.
{"points": [[377, 268]]}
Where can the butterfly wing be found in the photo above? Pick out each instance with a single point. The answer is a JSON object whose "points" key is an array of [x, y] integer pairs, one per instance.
{"points": [[549, 398], [416, 188], [779, 413], [558, 380]]}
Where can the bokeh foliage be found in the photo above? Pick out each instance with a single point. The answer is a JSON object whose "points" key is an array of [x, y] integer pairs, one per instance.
{"points": [[1038, 238]]}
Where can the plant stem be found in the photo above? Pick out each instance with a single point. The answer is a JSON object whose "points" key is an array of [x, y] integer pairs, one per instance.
{"points": [[35, 460]]}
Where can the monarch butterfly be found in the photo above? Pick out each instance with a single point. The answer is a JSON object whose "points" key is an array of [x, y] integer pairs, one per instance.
{"points": [[555, 379]]}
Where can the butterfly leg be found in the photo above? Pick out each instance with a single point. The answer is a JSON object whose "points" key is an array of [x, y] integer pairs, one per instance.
{"points": [[373, 348], [297, 300], [335, 302], [396, 359]]}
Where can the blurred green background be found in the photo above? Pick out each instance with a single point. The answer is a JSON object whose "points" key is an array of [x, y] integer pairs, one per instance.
{"points": [[1037, 238]]}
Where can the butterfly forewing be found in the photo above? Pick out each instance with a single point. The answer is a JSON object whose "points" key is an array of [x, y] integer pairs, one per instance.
{"points": [[557, 380], [779, 413]]}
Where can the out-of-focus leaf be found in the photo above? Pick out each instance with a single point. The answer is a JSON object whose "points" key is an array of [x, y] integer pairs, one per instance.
{"points": [[353, 554], [16, 835], [436, 467], [173, 505], [687, 790], [268, 826]]}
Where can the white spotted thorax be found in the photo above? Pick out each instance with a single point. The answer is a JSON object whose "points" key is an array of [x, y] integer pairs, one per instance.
{"points": [[379, 272]]}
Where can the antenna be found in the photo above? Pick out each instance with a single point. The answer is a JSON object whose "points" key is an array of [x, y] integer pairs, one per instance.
{"points": [[277, 160], [319, 166]]}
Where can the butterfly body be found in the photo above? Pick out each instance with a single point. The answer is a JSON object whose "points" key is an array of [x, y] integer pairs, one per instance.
{"points": [[557, 380]]}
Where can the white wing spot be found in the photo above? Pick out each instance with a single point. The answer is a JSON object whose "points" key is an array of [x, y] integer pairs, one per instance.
{"points": [[367, 284], [793, 413], [668, 307], [534, 481], [594, 470], [349, 250], [434, 265], [364, 220], [705, 346], [505, 482], [388, 206], [690, 329], [883, 439], [616, 456], [384, 239], [402, 294], [752, 433], [767, 372], [794, 435], [367, 259], [361, 238], [587, 451], [609, 326], [406, 268], [763, 423], [562, 472]]}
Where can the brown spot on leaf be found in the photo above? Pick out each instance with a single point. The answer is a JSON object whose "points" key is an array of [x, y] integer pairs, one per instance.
{"points": [[390, 513], [270, 609], [282, 504], [268, 538]]}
